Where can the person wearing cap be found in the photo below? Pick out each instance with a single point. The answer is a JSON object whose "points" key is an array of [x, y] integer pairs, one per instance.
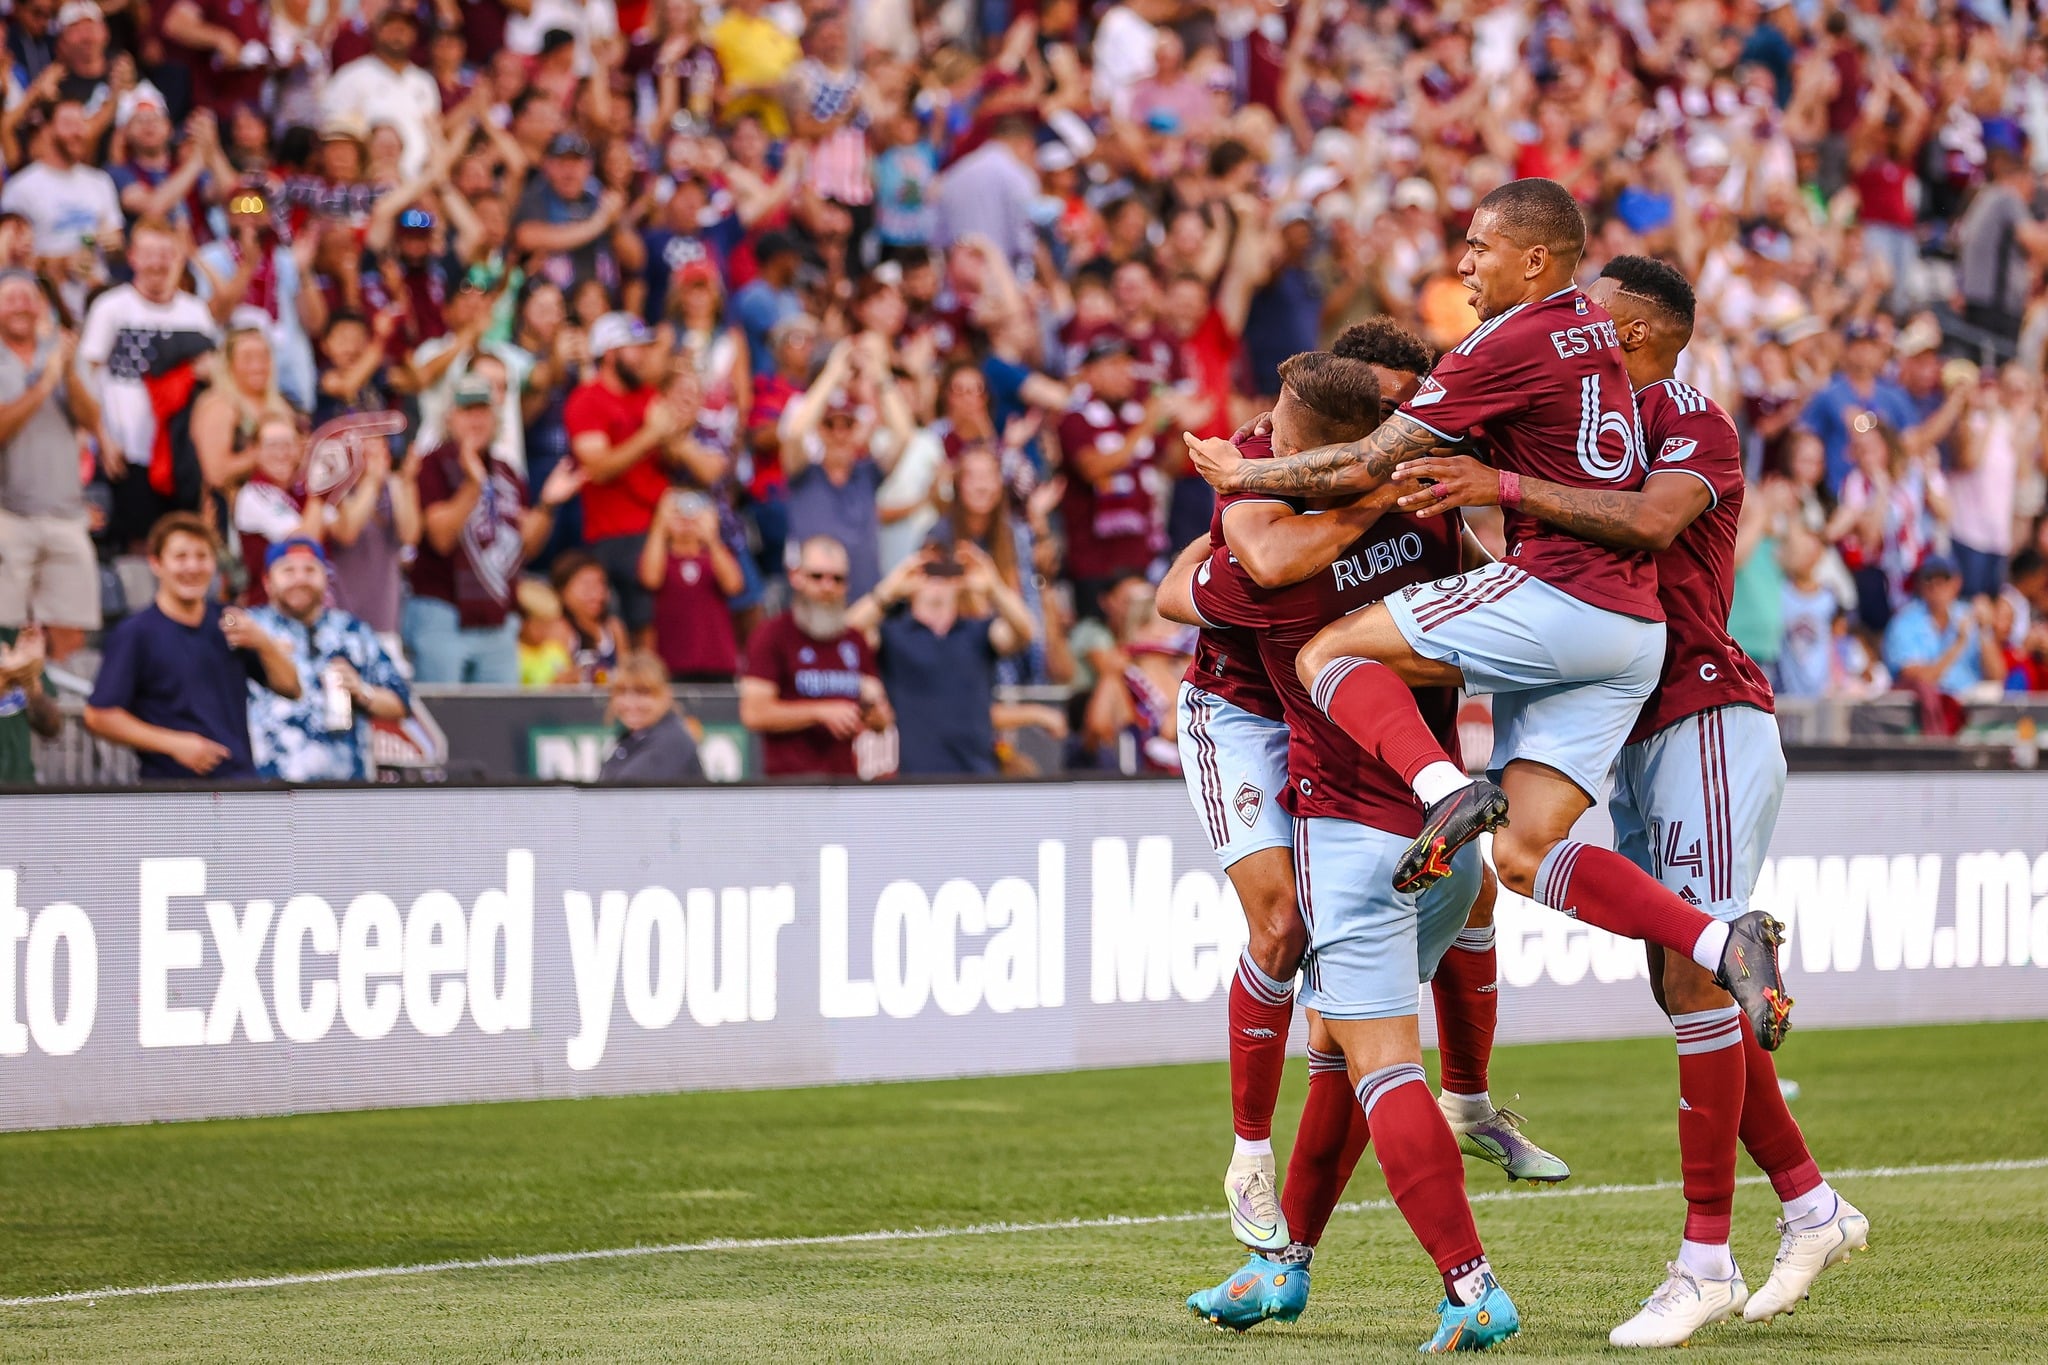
{"points": [[1937, 641], [49, 573], [479, 526], [297, 739], [150, 182], [618, 428], [566, 218], [174, 677], [1859, 386], [80, 48], [440, 362], [72, 203], [1110, 439], [386, 86]]}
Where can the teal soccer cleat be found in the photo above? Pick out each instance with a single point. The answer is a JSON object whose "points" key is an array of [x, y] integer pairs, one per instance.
{"points": [[1474, 1326], [1261, 1289]]}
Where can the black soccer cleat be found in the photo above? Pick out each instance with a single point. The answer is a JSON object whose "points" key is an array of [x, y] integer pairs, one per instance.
{"points": [[1448, 826], [1750, 973]]}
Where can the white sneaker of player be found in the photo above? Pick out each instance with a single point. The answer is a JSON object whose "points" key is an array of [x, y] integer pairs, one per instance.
{"points": [[1682, 1305], [1803, 1253], [1251, 1190]]}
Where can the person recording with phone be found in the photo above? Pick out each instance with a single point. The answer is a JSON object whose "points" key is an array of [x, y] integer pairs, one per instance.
{"points": [[693, 576], [938, 623]]}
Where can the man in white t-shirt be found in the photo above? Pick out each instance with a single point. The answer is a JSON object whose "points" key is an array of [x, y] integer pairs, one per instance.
{"points": [[385, 86], [73, 207], [134, 335]]}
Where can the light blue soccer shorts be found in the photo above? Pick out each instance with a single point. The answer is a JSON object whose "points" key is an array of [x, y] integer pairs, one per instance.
{"points": [[1567, 679], [1368, 944], [1235, 764], [1694, 805]]}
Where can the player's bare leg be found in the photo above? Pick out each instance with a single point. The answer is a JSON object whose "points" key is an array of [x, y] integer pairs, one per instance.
{"points": [[1465, 989], [1819, 1229], [1261, 1008], [1383, 1060]]}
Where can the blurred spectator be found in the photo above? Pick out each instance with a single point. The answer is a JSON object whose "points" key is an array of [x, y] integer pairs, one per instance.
{"points": [[596, 637], [252, 273], [373, 529], [1859, 392], [174, 681], [989, 192], [618, 426], [227, 417], [543, 651], [2001, 244], [478, 527], [837, 449], [938, 624], [769, 299], [809, 684], [1804, 659], [48, 572], [152, 183], [346, 680], [71, 203], [26, 706], [1937, 641], [385, 86], [1130, 718], [693, 576], [2000, 434], [1894, 507], [139, 343], [654, 744], [1109, 437], [273, 506]]}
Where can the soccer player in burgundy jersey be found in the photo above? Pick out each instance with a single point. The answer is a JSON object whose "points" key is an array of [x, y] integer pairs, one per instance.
{"points": [[1369, 944], [1696, 796], [1568, 635]]}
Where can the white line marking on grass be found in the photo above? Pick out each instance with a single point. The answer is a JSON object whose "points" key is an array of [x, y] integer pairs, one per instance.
{"points": [[546, 1258]]}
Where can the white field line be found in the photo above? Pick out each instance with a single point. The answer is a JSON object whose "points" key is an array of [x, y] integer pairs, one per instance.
{"points": [[546, 1258]]}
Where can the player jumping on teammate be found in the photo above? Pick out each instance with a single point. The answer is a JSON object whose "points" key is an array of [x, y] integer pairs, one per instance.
{"points": [[1695, 798], [1568, 635]]}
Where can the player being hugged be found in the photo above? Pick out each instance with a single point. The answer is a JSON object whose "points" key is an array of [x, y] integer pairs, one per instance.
{"points": [[1696, 796], [1281, 574], [1567, 634]]}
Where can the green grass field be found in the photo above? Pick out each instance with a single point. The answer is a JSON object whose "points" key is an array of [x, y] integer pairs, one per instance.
{"points": [[1952, 1273]]}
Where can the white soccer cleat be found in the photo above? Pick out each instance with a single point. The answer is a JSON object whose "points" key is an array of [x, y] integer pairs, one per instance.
{"points": [[1682, 1305], [1803, 1253], [1252, 1193]]}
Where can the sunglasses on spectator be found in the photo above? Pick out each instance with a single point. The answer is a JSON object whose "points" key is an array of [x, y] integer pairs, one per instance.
{"points": [[823, 576]]}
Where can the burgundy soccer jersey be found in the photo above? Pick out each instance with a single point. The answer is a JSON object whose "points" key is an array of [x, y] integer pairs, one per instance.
{"points": [[1113, 525], [1328, 774], [1686, 432], [804, 669], [1227, 662], [1541, 391]]}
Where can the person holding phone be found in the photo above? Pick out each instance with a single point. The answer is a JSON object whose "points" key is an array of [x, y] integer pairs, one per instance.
{"points": [[693, 576]]}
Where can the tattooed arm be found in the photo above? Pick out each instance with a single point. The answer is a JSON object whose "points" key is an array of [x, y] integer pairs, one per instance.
{"points": [[1327, 471], [1649, 519]]}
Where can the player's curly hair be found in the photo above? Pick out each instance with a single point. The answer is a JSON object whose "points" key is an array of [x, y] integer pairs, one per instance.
{"points": [[1386, 343], [1342, 393], [1655, 282]]}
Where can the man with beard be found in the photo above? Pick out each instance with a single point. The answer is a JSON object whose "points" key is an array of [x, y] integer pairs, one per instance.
{"points": [[298, 740], [478, 527], [810, 682], [73, 205], [618, 435], [386, 86], [173, 685]]}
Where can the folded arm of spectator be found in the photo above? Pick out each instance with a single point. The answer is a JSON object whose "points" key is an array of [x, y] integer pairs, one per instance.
{"points": [[602, 462], [560, 238]]}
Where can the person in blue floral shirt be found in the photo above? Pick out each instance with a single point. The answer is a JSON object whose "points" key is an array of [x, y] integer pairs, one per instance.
{"points": [[291, 738]]}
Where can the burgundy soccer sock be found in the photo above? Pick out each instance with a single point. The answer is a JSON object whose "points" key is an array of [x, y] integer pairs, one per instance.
{"points": [[1327, 1147], [1770, 1134], [1260, 1011], [1710, 1090], [1424, 1173], [1467, 1011], [1373, 706], [1601, 888]]}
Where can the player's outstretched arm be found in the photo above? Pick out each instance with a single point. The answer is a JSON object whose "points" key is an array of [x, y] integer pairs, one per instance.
{"points": [[1646, 520], [1327, 471]]}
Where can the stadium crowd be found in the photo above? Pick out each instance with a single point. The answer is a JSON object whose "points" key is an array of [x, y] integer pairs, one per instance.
{"points": [[847, 348]]}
